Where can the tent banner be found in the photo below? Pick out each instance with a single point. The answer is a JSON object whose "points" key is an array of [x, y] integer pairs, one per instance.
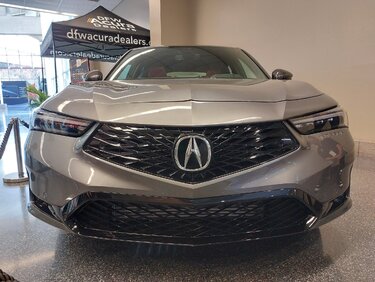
{"points": [[98, 35], [72, 34], [76, 34], [89, 54]]}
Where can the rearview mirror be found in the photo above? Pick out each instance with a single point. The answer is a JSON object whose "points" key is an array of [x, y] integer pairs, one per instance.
{"points": [[281, 74], [94, 75]]}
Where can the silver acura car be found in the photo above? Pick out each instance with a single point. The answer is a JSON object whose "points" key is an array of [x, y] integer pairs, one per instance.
{"points": [[189, 145]]}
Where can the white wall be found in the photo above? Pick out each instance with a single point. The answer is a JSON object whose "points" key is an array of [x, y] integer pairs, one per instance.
{"points": [[329, 43], [135, 11], [171, 22]]}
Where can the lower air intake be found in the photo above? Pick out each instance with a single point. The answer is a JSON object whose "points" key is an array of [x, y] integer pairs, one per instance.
{"points": [[191, 221]]}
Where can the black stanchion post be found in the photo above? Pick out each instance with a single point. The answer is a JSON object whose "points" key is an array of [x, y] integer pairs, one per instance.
{"points": [[17, 141], [18, 177]]}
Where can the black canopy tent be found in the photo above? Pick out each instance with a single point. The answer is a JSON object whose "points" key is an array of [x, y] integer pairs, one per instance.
{"points": [[99, 35]]}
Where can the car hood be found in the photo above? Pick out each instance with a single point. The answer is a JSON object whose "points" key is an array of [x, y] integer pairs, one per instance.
{"points": [[189, 102]]}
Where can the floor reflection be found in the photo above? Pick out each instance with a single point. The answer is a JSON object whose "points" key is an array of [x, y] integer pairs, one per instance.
{"points": [[272, 257]]}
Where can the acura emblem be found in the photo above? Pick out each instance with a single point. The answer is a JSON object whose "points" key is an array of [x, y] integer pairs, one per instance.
{"points": [[192, 153]]}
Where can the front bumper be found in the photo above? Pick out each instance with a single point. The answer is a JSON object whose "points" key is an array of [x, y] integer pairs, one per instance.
{"points": [[190, 222], [62, 185]]}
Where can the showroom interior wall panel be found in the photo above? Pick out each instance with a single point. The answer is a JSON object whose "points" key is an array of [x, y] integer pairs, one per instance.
{"points": [[327, 43], [172, 22], [155, 22]]}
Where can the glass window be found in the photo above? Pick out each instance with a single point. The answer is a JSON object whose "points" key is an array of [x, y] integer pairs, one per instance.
{"points": [[124, 72], [249, 72], [187, 62]]}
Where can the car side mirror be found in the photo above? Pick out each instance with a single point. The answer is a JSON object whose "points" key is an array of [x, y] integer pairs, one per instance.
{"points": [[94, 75], [281, 74]]}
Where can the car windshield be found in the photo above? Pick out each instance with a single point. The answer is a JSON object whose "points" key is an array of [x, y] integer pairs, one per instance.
{"points": [[186, 63]]}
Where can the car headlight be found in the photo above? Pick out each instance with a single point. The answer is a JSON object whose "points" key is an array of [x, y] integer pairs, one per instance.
{"points": [[58, 124], [323, 121]]}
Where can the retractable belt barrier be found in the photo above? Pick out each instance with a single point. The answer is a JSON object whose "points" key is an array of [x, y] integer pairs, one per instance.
{"points": [[16, 177]]}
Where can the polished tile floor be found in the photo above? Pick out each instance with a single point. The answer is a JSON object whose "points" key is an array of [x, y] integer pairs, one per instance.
{"points": [[343, 250]]}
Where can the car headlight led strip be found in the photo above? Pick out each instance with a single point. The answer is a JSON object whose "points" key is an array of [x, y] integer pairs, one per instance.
{"points": [[322, 121], [71, 126], [46, 121]]}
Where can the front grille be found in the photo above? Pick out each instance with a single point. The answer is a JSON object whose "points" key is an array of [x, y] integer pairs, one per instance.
{"points": [[149, 149], [191, 221]]}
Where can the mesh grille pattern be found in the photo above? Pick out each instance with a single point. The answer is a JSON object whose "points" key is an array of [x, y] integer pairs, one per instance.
{"points": [[192, 221], [150, 149]]}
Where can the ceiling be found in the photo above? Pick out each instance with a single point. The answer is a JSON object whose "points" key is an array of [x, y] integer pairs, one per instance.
{"points": [[76, 7]]}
